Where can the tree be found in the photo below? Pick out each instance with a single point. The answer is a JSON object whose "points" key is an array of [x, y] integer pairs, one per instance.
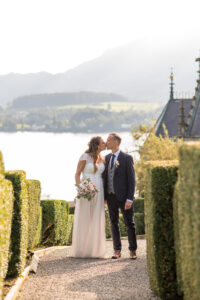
{"points": [[152, 147]]}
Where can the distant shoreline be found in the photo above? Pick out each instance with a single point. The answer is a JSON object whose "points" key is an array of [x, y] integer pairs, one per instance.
{"points": [[70, 131]]}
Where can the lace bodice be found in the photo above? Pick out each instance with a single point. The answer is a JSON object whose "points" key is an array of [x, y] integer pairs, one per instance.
{"points": [[89, 167]]}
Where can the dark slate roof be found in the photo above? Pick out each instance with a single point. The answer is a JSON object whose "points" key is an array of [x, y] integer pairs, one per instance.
{"points": [[194, 126], [169, 117]]}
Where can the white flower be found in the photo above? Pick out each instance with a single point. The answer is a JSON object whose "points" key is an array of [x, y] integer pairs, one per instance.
{"points": [[116, 164]]}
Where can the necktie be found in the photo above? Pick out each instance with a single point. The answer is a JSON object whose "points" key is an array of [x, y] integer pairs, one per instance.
{"points": [[112, 161]]}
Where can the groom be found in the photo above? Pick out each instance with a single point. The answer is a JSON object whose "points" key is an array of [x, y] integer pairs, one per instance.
{"points": [[119, 187]]}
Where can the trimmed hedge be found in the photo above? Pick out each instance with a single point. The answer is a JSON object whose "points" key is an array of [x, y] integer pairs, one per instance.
{"points": [[38, 233], [6, 209], [54, 222], [187, 221], [161, 261], [19, 232], [108, 229], [69, 229], [139, 224], [2, 169], [71, 210], [34, 192], [138, 205]]}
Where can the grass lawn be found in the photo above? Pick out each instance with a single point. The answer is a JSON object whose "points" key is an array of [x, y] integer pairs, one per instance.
{"points": [[119, 106]]}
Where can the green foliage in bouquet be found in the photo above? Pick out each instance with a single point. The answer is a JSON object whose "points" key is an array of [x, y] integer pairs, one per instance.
{"points": [[19, 233], [159, 227], [34, 192], [54, 222], [150, 148], [187, 221], [6, 210]]}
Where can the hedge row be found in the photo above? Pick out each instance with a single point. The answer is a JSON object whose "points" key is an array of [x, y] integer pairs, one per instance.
{"points": [[6, 209], [159, 228], [138, 218], [187, 221], [34, 212], [55, 222], [138, 205], [19, 232], [20, 220]]}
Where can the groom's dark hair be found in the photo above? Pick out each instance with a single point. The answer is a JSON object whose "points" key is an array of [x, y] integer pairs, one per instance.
{"points": [[116, 137]]}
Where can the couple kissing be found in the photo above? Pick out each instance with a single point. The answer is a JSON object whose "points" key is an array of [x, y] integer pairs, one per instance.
{"points": [[114, 179]]}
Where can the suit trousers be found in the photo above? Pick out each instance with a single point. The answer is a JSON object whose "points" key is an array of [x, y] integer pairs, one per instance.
{"points": [[113, 206]]}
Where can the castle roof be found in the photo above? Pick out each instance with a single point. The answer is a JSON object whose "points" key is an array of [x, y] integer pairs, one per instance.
{"points": [[170, 117], [181, 116]]}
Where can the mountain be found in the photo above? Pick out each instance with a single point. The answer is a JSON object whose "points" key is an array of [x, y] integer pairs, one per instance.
{"points": [[63, 99], [139, 71]]}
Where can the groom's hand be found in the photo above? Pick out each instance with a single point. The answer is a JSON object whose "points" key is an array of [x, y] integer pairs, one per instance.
{"points": [[128, 205], [105, 202]]}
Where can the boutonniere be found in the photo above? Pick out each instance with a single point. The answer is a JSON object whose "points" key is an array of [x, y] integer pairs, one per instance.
{"points": [[116, 164]]}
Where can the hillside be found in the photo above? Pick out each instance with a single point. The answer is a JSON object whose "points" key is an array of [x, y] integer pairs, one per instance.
{"points": [[63, 99], [138, 71]]}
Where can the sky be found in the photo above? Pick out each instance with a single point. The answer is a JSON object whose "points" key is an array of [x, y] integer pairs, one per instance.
{"points": [[57, 35]]}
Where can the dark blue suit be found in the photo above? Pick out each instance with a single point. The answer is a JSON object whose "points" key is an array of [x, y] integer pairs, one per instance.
{"points": [[124, 188]]}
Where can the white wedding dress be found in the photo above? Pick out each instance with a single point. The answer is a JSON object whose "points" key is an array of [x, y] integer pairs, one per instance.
{"points": [[88, 238]]}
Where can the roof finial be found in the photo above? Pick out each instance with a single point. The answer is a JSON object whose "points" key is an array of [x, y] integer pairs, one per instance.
{"points": [[172, 85]]}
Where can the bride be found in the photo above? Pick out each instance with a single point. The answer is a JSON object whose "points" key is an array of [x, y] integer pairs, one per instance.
{"points": [[88, 238]]}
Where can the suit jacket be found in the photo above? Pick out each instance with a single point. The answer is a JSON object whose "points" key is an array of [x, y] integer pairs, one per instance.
{"points": [[124, 177]]}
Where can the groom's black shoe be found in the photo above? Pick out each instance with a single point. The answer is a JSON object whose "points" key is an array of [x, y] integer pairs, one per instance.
{"points": [[133, 255], [117, 254]]}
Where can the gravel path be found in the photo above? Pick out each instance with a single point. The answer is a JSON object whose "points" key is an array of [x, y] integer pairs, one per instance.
{"points": [[62, 277]]}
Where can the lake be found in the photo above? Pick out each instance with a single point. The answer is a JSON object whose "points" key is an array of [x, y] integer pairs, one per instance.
{"points": [[51, 158]]}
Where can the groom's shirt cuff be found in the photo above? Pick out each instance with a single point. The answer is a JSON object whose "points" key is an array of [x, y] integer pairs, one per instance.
{"points": [[128, 200]]}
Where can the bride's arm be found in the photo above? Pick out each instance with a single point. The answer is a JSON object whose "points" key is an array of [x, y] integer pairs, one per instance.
{"points": [[79, 170]]}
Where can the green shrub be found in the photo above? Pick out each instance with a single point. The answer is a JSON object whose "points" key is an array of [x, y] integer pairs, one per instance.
{"points": [[108, 230], [71, 210], [2, 170], [6, 209], [34, 192], [122, 226], [160, 181], [187, 221], [138, 205], [139, 223], [38, 233], [19, 232], [69, 229], [152, 148], [54, 222]]}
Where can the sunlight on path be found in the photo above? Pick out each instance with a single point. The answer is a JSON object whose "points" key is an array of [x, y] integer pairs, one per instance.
{"points": [[62, 277]]}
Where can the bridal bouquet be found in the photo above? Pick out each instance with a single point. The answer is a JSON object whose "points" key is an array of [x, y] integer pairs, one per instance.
{"points": [[86, 189]]}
